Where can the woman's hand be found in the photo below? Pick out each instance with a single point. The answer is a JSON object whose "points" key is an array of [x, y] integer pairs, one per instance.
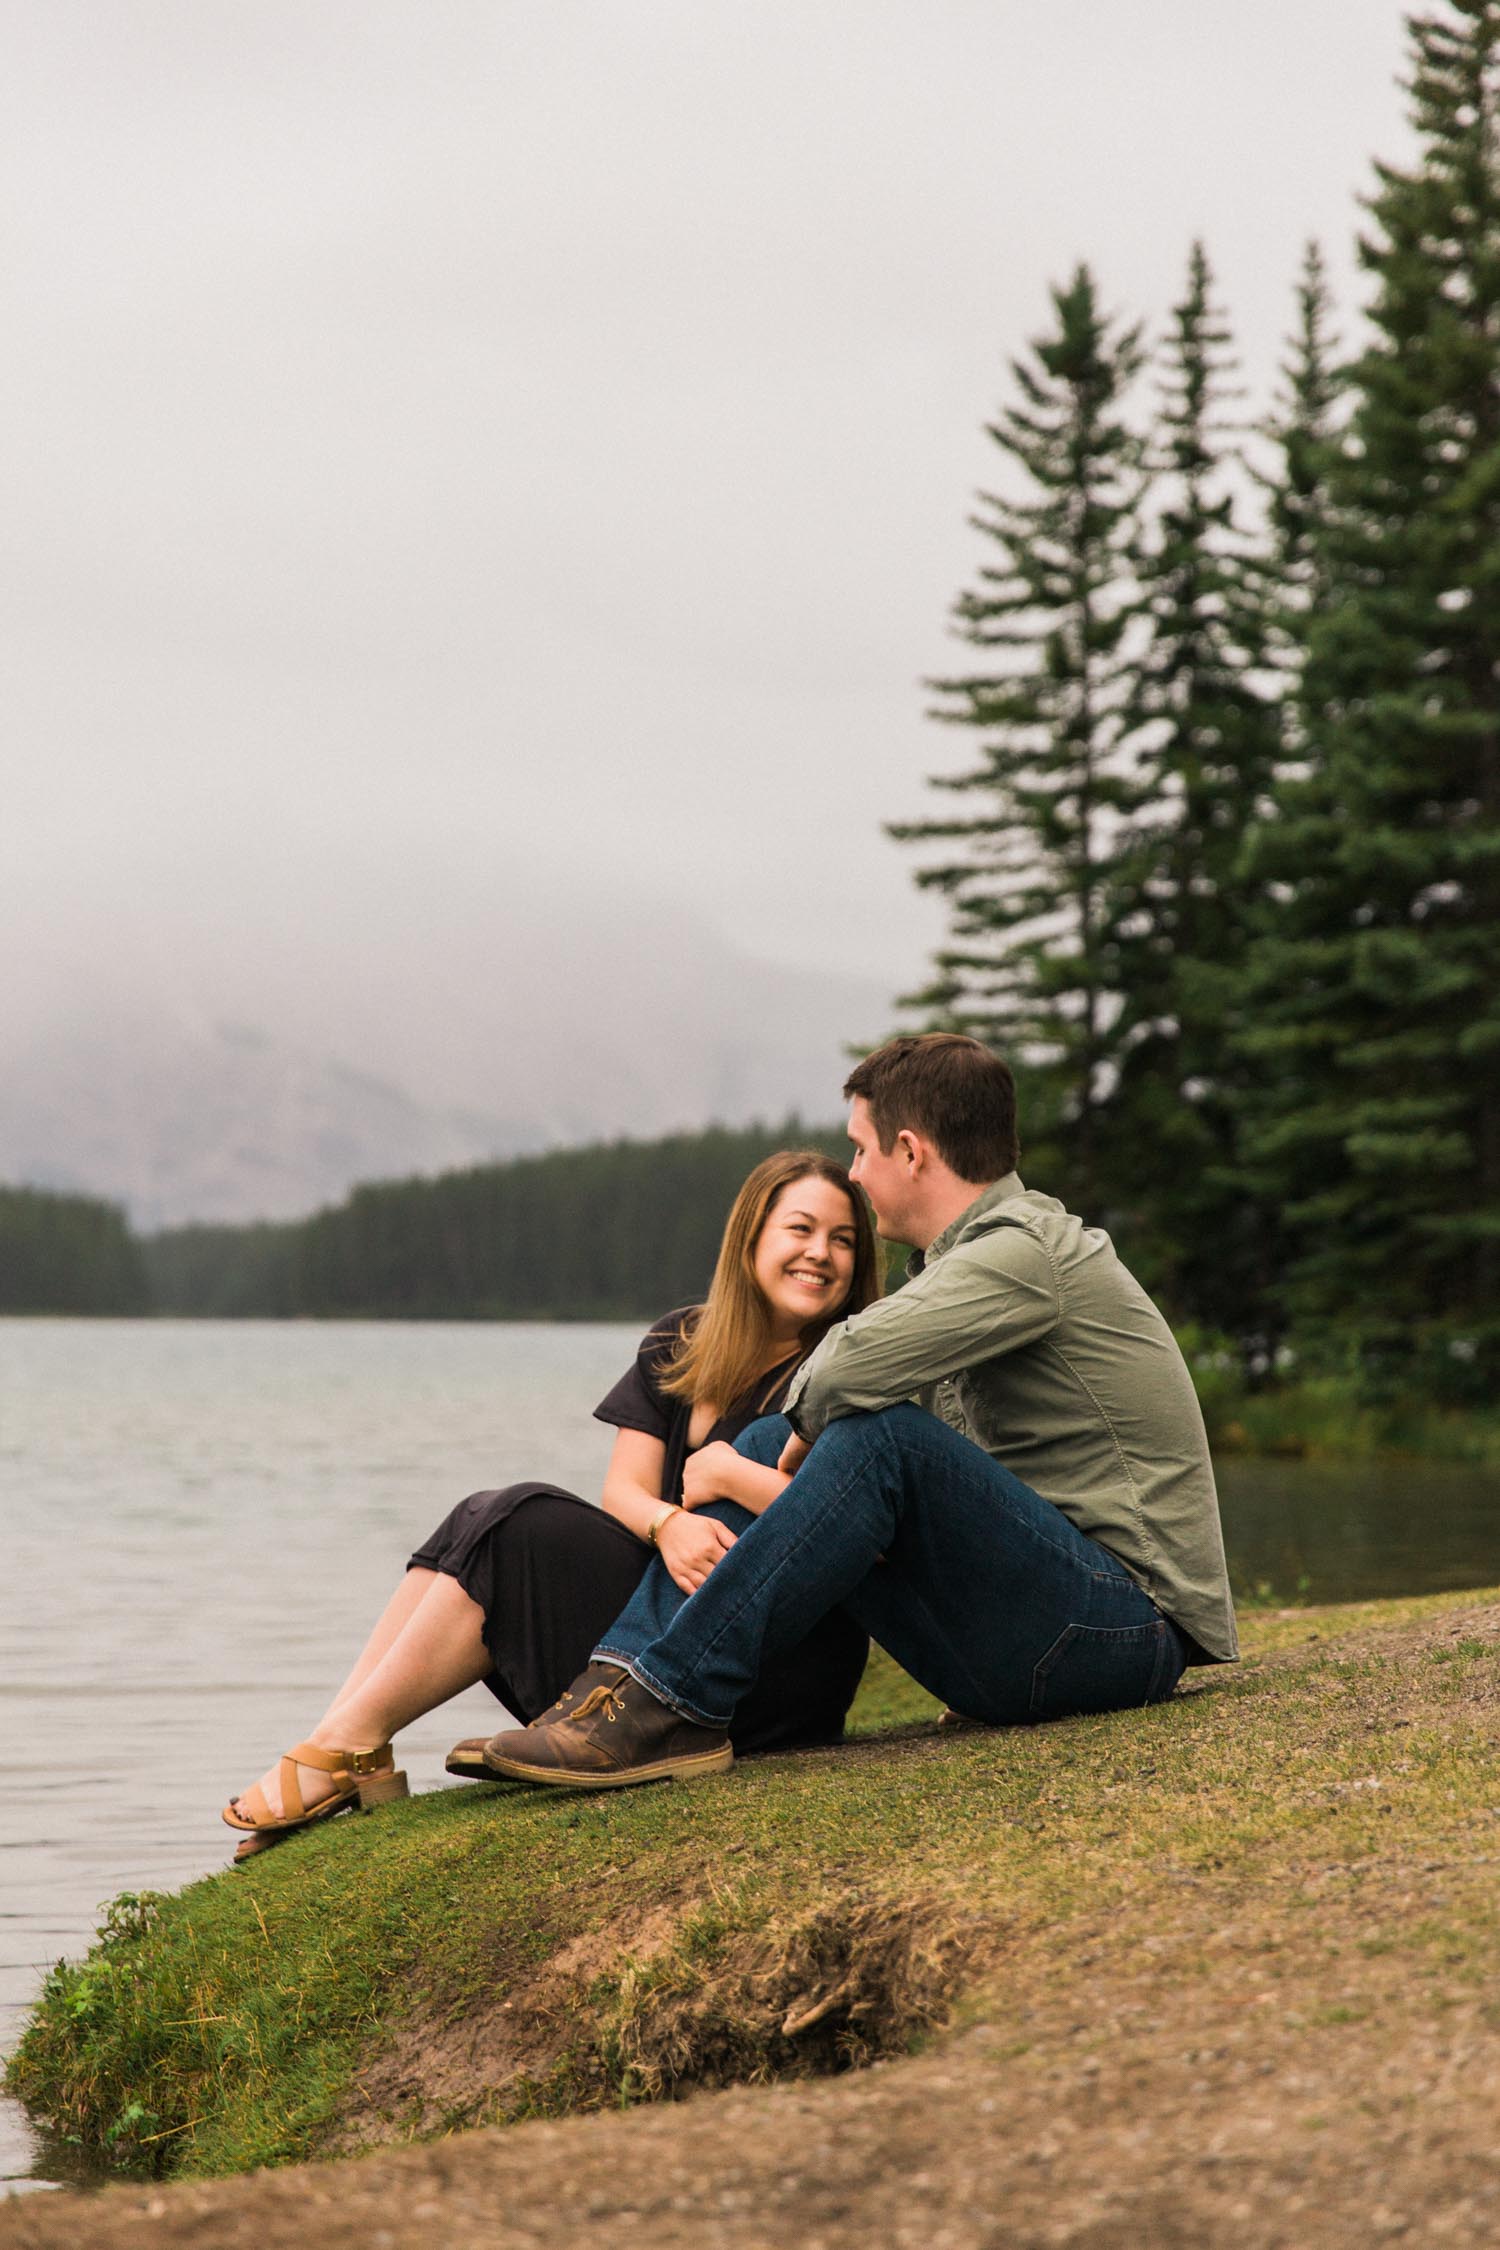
{"points": [[712, 1473], [690, 1546], [793, 1454], [719, 1472]]}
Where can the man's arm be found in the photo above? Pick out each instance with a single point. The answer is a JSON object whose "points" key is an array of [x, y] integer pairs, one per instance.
{"points": [[981, 1299]]}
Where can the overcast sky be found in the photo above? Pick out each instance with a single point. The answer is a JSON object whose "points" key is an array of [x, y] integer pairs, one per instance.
{"points": [[467, 453]]}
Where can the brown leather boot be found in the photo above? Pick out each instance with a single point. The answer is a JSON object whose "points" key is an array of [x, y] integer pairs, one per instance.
{"points": [[467, 1758], [616, 1734]]}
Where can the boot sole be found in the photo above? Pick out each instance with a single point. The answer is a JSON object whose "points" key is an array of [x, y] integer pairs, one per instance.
{"points": [[469, 1769], [665, 1769]]}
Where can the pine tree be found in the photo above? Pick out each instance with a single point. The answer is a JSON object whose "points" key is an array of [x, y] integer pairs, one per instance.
{"points": [[1206, 734], [1378, 1039], [1303, 431], [1028, 964], [1303, 428]]}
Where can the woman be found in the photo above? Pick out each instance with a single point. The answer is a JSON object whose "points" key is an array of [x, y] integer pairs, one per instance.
{"points": [[516, 1586]]}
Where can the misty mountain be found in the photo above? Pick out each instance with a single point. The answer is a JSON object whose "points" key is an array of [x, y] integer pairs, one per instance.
{"points": [[227, 1123], [139, 1090]]}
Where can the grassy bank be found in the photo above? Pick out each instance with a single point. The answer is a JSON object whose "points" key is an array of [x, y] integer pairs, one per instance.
{"points": [[494, 1954]]}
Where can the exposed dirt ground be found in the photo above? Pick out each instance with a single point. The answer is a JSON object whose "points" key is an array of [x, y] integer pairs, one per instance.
{"points": [[1292, 2062]]}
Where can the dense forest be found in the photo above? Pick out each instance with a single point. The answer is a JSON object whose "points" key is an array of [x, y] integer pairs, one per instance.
{"points": [[613, 1232], [1224, 872], [1223, 868], [67, 1254]]}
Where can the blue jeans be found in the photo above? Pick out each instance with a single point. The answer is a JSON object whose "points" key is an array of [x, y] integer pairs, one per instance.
{"points": [[978, 1587]]}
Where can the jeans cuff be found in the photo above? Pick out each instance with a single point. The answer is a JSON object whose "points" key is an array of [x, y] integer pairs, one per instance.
{"points": [[642, 1678]]}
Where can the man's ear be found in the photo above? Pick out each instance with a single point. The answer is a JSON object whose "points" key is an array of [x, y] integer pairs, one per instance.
{"points": [[909, 1147]]}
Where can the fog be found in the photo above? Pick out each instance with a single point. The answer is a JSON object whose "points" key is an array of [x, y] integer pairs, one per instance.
{"points": [[487, 482]]}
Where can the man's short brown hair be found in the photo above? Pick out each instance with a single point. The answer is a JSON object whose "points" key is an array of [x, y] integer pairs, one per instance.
{"points": [[952, 1089]]}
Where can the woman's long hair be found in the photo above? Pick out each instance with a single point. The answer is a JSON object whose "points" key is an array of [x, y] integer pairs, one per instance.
{"points": [[727, 1346]]}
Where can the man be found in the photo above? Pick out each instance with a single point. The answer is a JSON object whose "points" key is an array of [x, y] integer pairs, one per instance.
{"points": [[1038, 1536]]}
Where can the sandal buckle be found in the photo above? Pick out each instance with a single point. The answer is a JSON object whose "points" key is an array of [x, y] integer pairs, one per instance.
{"points": [[364, 1762]]}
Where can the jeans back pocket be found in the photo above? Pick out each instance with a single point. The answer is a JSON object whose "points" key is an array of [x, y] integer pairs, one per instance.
{"points": [[1105, 1668]]}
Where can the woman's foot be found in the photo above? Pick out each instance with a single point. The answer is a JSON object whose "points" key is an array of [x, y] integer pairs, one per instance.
{"points": [[314, 1781], [249, 1847], [314, 1784]]}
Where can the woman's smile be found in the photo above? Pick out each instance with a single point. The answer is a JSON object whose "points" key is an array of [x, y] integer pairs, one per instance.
{"points": [[804, 1256]]}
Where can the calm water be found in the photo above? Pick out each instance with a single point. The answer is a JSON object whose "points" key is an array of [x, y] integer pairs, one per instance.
{"points": [[201, 1519]]}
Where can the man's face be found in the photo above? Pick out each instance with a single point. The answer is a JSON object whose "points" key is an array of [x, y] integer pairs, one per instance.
{"points": [[885, 1178]]}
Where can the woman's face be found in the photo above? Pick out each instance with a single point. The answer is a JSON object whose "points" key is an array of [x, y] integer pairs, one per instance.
{"points": [[804, 1254]]}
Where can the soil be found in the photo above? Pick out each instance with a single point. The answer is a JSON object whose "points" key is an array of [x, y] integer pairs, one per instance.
{"points": [[854, 1981], [1297, 2062]]}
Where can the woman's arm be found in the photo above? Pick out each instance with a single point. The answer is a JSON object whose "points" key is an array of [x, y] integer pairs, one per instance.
{"points": [[633, 1480], [690, 1546], [717, 1472]]}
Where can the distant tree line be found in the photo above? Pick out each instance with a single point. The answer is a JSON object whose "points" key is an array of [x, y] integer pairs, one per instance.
{"points": [[67, 1254], [620, 1231], [1225, 873]]}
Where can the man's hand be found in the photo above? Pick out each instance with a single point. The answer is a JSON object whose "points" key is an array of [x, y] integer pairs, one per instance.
{"points": [[710, 1474], [793, 1454], [690, 1546]]}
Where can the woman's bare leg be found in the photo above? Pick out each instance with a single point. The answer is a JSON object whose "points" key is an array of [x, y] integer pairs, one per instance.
{"points": [[398, 1609], [435, 1651], [438, 1653]]}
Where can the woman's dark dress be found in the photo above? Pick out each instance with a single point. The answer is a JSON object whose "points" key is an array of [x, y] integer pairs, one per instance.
{"points": [[552, 1573]]}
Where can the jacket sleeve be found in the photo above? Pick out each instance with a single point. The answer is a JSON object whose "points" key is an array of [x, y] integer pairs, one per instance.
{"points": [[981, 1299]]}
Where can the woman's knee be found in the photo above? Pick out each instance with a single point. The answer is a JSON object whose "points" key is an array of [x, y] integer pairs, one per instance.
{"points": [[506, 1496], [764, 1441], [729, 1513]]}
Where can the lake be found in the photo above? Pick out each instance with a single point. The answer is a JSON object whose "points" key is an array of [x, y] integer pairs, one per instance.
{"points": [[201, 1519]]}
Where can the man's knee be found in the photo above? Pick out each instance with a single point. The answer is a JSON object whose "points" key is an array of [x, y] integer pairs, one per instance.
{"points": [[765, 1441], [887, 1426]]}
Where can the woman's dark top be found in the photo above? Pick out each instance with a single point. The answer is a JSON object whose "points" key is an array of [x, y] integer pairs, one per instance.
{"points": [[551, 1572], [638, 1401]]}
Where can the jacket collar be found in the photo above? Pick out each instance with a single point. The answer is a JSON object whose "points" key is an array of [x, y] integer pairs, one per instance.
{"points": [[1000, 1192]]}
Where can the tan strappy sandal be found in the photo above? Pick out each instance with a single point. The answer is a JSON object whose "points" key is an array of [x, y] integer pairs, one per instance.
{"points": [[364, 1777]]}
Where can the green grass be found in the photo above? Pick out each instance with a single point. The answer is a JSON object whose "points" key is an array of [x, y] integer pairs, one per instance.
{"points": [[622, 1945]]}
